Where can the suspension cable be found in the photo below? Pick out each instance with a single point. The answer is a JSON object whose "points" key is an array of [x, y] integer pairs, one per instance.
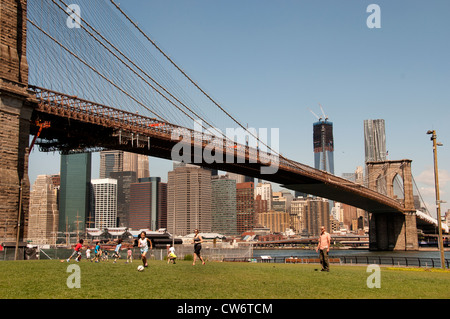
{"points": [[198, 87], [96, 71]]}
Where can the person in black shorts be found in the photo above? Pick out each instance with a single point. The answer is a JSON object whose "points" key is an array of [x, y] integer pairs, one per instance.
{"points": [[197, 247]]}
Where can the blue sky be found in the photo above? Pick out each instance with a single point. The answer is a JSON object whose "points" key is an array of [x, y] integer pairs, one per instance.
{"points": [[267, 62]]}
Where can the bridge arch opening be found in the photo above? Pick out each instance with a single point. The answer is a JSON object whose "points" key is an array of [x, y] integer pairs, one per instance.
{"points": [[398, 188]]}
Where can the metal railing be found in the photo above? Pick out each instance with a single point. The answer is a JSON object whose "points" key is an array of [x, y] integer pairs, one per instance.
{"points": [[351, 260]]}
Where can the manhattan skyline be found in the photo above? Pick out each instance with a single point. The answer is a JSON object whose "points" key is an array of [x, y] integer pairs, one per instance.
{"points": [[267, 62]]}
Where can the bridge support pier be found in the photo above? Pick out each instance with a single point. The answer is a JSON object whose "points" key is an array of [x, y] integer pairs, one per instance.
{"points": [[14, 182], [388, 231], [15, 117]]}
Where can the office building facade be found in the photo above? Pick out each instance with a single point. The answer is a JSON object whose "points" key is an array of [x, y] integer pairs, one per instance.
{"points": [[74, 200], [124, 181], [148, 208], [120, 161], [245, 207], [189, 200], [298, 215], [104, 202], [110, 161], [276, 221], [162, 205], [140, 206], [223, 205], [317, 215], [44, 212], [265, 190]]}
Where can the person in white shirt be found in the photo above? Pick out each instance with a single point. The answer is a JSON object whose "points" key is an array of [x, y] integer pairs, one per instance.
{"points": [[144, 244], [171, 256]]}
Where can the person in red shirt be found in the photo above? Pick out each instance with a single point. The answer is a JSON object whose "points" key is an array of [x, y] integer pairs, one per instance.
{"points": [[77, 251], [324, 247]]}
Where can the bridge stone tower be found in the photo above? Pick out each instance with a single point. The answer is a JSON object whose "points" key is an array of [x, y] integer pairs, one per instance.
{"points": [[15, 117], [388, 230]]}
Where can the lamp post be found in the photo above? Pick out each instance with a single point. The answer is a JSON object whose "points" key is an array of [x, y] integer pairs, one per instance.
{"points": [[19, 217], [438, 201]]}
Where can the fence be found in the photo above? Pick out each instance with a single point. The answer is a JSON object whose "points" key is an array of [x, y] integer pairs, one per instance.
{"points": [[352, 260], [182, 252], [23, 253], [242, 254]]}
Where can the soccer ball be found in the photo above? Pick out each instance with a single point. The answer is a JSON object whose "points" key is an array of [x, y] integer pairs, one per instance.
{"points": [[140, 268]]}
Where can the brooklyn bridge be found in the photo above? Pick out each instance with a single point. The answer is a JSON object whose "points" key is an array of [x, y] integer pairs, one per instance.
{"points": [[95, 91]]}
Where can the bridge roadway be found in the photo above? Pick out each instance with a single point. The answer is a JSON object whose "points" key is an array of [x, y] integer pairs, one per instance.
{"points": [[77, 124]]}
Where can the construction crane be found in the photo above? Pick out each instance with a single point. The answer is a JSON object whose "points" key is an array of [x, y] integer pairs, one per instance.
{"points": [[318, 118], [325, 118], [323, 113]]}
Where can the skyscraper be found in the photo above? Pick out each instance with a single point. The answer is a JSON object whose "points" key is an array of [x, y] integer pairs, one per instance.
{"points": [[140, 206], [136, 163], [104, 202], [148, 208], [317, 215], [120, 161], [240, 178], [124, 181], [43, 217], [162, 205], [245, 207], [374, 140], [265, 190], [324, 149], [223, 205], [154, 201], [188, 200], [323, 145], [74, 192], [110, 161], [298, 215]]}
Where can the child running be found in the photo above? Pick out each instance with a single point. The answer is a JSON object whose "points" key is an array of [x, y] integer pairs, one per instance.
{"points": [[144, 244], [77, 251], [97, 253], [116, 254]]}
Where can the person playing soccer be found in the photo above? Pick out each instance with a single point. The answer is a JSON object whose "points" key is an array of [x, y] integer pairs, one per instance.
{"points": [[97, 252], [144, 244], [105, 255], [77, 251], [88, 253], [116, 253]]}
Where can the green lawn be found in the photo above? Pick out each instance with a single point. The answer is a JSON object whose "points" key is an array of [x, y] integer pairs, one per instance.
{"points": [[215, 280]]}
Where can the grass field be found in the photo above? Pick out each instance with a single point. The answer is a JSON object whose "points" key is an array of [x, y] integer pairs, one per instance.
{"points": [[47, 279]]}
